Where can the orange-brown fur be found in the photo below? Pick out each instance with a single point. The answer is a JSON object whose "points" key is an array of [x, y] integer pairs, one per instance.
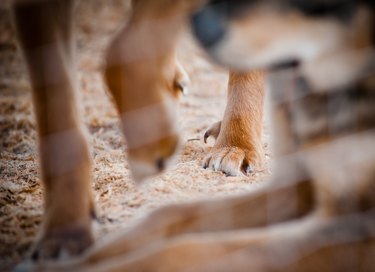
{"points": [[317, 214], [58, 124], [238, 145], [44, 30], [142, 75]]}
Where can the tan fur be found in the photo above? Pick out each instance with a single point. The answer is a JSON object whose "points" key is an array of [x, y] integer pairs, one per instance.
{"points": [[65, 172], [238, 145], [326, 43], [152, 79], [302, 221], [317, 213], [145, 81]]}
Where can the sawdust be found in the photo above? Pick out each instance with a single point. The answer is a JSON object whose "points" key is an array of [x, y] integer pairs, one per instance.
{"points": [[119, 201]]}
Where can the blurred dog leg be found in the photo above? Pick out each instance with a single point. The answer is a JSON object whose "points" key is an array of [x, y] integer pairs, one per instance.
{"points": [[45, 35], [256, 209], [146, 80], [310, 244], [313, 243]]}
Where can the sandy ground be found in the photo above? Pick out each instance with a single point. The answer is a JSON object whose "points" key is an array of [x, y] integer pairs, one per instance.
{"points": [[119, 201]]}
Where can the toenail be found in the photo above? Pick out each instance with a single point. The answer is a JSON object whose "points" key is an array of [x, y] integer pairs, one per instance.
{"points": [[249, 169], [160, 164]]}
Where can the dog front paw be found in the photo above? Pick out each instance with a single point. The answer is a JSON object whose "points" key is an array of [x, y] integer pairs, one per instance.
{"points": [[233, 161], [62, 243]]}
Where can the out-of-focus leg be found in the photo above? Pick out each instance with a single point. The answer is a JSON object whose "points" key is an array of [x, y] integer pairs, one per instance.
{"points": [[45, 35]]}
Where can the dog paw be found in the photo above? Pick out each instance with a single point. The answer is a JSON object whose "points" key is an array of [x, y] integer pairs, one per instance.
{"points": [[233, 161], [61, 244]]}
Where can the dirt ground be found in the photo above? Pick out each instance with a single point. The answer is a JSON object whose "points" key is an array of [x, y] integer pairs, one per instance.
{"points": [[119, 201]]}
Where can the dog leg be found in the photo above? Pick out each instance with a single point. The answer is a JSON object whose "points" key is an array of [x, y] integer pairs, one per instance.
{"points": [[255, 209], [314, 243], [44, 30], [145, 80], [201, 218], [238, 146]]}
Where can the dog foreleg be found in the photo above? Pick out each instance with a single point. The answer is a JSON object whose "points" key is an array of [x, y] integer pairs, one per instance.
{"points": [[44, 31]]}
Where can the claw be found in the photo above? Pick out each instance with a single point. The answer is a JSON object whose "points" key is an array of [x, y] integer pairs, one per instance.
{"points": [[206, 163], [34, 256], [61, 244], [213, 131], [248, 169], [182, 80], [205, 137]]}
